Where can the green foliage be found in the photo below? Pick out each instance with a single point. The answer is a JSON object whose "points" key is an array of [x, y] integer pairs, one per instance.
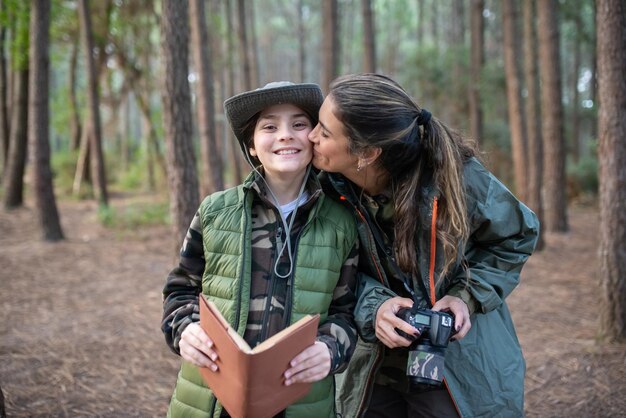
{"points": [[133, 178], [61, 113], [64, 26], [16, 17], [63, 169], [134, 215]]}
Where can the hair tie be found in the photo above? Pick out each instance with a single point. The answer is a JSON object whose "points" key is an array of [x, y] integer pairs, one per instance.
{"points": [[423, 117]]}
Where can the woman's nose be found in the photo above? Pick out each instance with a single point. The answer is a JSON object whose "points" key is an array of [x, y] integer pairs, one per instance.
{"points": [[313, 134]]}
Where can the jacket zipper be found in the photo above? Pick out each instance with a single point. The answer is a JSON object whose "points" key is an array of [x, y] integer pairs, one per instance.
{"points": [[369, 380], [243, 268], [272, 287], [431, 280], [290, 287]]}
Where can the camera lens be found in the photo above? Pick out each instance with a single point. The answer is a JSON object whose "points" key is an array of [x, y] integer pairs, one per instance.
{"points": [[425, 364]]}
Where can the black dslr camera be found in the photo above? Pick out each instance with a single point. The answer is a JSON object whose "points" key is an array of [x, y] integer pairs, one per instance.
{"points": [[427, 352]]}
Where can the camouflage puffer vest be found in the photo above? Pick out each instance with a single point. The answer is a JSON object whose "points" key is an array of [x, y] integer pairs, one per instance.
{"points": [[323, 245]]}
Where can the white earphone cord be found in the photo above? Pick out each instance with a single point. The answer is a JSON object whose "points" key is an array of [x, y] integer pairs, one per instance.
{"points": [[287, 227]]}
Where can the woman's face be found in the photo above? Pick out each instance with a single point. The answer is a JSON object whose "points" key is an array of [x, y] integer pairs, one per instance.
{"points": [[331, 147], [281, 140]]}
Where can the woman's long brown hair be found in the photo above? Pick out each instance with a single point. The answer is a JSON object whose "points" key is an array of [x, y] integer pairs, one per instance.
{"points": [[377, 112]]}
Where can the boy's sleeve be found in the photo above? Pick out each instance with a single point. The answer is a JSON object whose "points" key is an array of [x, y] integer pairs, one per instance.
{"points": [[338, 332], [182, 287]]}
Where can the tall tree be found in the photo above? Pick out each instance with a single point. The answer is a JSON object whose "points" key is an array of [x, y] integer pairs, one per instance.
{"points": [[434, 24], [552, 117], [574, 77], [76, 127], [477, 60], [457, 44], [13, 179], [233, 148], [330, 42], [244, 52], [201, 49], [181, 160], [611, 50], [4, 113], [514, 95], [593, 87], [420, 22], [93, 98], [38, 126], [252, 47], [369, 39], [301, 42], [533, 123]]}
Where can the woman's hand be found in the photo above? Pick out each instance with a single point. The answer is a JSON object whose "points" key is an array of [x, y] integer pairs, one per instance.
{"points": [[459, 309], [387, 322], [197, 348], [311, 365]]}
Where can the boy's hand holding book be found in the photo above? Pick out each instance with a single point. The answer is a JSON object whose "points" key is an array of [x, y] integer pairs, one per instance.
{"points": [[261, 381], [311, 365], [197, 348]]}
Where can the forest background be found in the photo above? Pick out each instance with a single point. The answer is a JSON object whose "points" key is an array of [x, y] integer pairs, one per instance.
{"points": [[112, 127]]}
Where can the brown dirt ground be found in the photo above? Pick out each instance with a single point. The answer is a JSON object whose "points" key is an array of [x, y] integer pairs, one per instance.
{"points": [[80, 336]]}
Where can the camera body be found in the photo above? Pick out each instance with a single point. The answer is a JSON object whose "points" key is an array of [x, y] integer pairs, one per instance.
{"points": [[427, 352]]}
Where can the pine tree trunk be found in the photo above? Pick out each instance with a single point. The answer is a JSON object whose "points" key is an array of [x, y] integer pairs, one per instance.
{"points": [[253, 48], [301, 43], [420, 22], [330, 42], [457, 44], [514, 96], [76, 128], [532, 111], [611, 48], [235, 154], [212, 180], [554, 182], [369, 39], [575, 145], [38, 126], [4, 112], [477, 59], [18, 143], [176, 97], [82, 163], [95, 149], [244, 55]]}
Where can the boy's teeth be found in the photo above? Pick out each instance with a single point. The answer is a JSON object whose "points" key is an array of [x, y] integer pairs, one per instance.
{"points": [[293, 151]]}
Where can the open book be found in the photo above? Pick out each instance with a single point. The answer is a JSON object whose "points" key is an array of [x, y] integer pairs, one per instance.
{"points": [[249, 382]]}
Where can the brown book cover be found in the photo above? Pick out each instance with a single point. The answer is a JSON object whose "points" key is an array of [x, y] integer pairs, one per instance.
{"points": [[249, 382]]}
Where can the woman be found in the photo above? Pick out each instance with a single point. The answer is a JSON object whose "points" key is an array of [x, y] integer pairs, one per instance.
{"points": [[267, 252], [437, 231]]}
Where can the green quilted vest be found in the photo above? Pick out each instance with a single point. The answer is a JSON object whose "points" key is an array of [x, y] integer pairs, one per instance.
{"points": [[323, 246]]}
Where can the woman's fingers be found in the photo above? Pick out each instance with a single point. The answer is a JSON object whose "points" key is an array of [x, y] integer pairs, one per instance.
{"points": [[387, 323], [458, 308]]}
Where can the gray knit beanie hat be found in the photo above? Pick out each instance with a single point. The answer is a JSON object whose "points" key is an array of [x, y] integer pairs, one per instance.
{"points": [[242, 107]]}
